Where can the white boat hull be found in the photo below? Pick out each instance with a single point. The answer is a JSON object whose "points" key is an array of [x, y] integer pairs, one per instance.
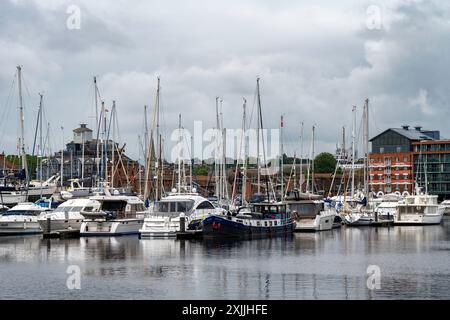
{"points": [[358, 220], [10, 199], [19, 227], [417, 219], [61, 225], [160, 227], [320, 222], [115, 227]]}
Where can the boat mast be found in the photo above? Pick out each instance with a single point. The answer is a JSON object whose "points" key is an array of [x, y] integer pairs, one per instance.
{"points": [[353, 149], [216, 157], [113, 144], [244, 171], [22, 126], [40, 141], [258, 130], [179, 153], [158, 141], [366, 149], [312, 160], [62, 158], [97, 125], [344, 162], [145, 146], [82, 159], [301, 159], [282, 160]]}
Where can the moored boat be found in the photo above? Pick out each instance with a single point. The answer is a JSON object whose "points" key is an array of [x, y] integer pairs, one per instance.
{"points": [[22, 219], [261, 220]]}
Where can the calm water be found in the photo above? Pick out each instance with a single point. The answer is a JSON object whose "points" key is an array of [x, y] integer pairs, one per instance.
{"points": [[414, 263]]}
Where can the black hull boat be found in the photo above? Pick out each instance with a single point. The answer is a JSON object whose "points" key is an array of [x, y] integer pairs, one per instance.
{"points": [[261, 221]]}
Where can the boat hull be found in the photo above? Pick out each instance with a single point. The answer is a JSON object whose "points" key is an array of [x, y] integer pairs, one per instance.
{"points": [[322, 222], [416, 219], [109, 228], [60, 225], [19, 227], [222, 227]]}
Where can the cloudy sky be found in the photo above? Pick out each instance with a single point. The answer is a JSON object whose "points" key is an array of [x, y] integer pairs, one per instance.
{"points": [[315, 58]]}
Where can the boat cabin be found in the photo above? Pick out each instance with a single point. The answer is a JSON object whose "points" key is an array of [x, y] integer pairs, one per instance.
{"points": [[271, 211]]}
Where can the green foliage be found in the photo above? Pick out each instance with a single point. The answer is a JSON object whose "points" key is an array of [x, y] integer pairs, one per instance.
{"points": [[324, 163], [201, 171]]}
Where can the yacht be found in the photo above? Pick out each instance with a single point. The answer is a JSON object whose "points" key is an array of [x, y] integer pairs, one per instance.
{"points": [[419, 209], [116, 215], [37, 190], [387, 207], [312, 215], [163, 219], [75, 191], [262, 220], [446, 205], [67, 216], [21, 219]]}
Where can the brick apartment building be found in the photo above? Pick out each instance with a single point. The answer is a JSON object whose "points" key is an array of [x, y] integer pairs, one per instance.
{"points": [[391, 166]]}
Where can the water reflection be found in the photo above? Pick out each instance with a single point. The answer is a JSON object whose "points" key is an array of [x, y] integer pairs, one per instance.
{"points": [[329, 265]]}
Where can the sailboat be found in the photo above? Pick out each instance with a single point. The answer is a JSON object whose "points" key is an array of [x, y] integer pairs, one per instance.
{"points": [[364, 212], [309, 211], [258, 220], [163, 218]]}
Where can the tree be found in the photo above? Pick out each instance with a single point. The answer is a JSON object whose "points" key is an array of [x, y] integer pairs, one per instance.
{"points": [[324, 163]]}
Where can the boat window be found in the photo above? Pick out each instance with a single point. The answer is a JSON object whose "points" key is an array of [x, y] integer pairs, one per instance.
{"points": [[205, 205], [88, 209], [76, 209], [21, 213], [162, 206], [63, 209], [114, 205]]}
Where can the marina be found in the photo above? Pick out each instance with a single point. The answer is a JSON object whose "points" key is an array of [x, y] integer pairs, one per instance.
{"points": [[224, 151]]}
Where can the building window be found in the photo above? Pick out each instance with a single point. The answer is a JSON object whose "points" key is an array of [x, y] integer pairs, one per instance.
{"points": [[399, 149], [381, 150]]}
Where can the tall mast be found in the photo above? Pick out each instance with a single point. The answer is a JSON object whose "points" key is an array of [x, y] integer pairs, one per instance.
{"points": [[312, 160], [301, 159], [158, 141], [179, 153], [145, 140], [282, 160], [113, 144], [343, 161], [105, 144], [62, 158], [216, 161], [353, 149], [258, 129], [366, 148], [244, 171], [82, 159], [22, 125], [41, 148]]}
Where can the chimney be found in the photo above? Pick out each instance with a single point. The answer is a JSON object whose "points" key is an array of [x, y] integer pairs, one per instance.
{"points": [[405, 127], [418, 128], [83, 125]]}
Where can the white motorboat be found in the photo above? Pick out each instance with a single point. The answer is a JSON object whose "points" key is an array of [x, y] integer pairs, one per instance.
{"points": [[75, 191], [67, 217], [312, 215], [361, 218], [163, 220], [446, 205], [22, 219], [11, 198], [419, 209], [387, 207], [46, 189], [117, 215]]}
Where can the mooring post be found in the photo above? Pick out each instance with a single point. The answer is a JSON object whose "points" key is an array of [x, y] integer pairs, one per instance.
{"points": [[49, 225], [182, 222]]}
